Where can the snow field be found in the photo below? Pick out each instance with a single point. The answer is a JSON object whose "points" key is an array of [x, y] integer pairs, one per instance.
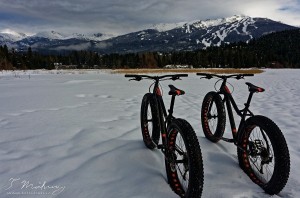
{"points": [[81, 131]]}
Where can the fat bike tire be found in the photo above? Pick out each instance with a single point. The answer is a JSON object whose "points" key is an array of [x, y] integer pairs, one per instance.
{"points": [[184, 164], [213, 116], [263, 154], [150, 121]]}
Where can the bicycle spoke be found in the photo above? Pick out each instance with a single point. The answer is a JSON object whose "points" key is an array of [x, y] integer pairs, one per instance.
{"points": [[183, 174], [184, 179], [262, 159], [179, 150], [254, 163]]}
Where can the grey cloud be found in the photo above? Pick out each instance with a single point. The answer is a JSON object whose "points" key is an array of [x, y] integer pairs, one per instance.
{"points": [[103, 45], [119, 16]]}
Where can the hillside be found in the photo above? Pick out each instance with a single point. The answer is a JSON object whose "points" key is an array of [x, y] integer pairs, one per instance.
{"points": [[185, 36], [280, 49]]}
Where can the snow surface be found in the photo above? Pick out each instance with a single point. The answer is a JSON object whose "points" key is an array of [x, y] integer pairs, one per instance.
{"points": [[79, 133]]}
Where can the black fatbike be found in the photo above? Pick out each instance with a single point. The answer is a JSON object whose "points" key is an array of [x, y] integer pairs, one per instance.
{"points": [[180, 146], [261, 147]]}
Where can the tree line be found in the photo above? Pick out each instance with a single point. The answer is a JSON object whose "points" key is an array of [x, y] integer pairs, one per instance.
{"points": [[281, 49]]}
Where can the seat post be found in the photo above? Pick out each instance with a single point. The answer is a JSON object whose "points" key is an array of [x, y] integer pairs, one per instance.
{"points": [[249, 99], [172, 105], [247, 105]]}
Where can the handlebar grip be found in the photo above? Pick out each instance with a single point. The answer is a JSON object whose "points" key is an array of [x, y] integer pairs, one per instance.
{"points": [[134, 77], [182, 75], [130, 76], [208, 76], [201, 74]]}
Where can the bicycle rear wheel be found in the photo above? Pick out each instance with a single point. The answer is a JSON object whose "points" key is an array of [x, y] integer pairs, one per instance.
{"points": [[184, 164], [264, 155], [149, 121], [213, 116]]}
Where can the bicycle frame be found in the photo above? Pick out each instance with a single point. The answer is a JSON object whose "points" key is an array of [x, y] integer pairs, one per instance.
{"points": [[243, 113], [261, 147], [164, 117]]}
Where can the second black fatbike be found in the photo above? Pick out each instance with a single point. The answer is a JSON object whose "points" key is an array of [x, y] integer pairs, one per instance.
{"points": [[179, 143], [261, 147]]}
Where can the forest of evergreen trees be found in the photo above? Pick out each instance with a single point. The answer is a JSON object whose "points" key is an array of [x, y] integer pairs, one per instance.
{"points": [[281, 49]]}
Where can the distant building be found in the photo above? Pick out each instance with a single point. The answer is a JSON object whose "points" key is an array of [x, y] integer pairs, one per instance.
{"points": [[179, 67], [61, 66]]}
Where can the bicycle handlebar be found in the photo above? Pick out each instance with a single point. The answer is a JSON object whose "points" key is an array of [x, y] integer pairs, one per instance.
{"points": [[236, 76], [130, 76], [140, 77]]}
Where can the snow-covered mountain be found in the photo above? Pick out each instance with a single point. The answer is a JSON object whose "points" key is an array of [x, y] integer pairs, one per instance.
{"points": [[53, 35], [195, 35], [11, 35], [47, 40], [192, 35], [162, 27], [91, 37]]}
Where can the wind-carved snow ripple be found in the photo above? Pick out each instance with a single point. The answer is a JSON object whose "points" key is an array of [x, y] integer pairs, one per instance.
{"points": [[4, 123], [29, 111], [91, 142], [93, 96], [107, 144]]}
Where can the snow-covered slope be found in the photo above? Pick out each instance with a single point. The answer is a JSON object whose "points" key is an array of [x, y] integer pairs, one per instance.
{"points": [[49, 35], [236, 24], [195, 35], [202, 24], [53, 35], [163, 27], [11, 36], [216, 22], [91, 37], [79, 132], [162, 37], [216, 30]]}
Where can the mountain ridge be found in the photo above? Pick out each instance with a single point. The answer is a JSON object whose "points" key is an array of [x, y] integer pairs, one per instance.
{"points": [[197, 34]]}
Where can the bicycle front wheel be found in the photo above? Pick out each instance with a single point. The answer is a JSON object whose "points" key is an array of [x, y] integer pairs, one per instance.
{"points": [[184, 164], [263, 154], [149, 121], [213, 116]]}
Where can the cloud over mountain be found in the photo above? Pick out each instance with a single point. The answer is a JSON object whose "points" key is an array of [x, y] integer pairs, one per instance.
{"points": [[119, 17]]}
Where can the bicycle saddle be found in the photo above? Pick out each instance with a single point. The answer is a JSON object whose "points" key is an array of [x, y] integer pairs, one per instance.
{"points": [[253, 88], [175, 91]]}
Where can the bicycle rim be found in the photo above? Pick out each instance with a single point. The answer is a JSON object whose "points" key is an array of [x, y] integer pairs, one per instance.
{"points": [[180, 163], [260, 155]]}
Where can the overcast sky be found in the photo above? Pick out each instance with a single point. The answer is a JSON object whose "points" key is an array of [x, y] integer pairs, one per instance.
{"points": [[122, 16]]}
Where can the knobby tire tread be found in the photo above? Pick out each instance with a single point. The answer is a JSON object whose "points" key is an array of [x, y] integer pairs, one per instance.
{"points": [[196, 175], [150, 138], [213, 136], [281, 153]]}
